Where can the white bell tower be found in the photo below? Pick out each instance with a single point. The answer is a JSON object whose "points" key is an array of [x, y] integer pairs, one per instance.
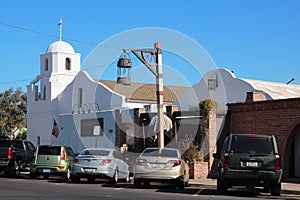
{"points": [[58, 67]]}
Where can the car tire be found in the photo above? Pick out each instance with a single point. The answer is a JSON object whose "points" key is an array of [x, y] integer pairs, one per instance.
{"points": [[115, 177], [91, 179], [276, 189], [67, 176], [137, 183], [75, 179], [14, 171], [127, 179], [17, 169], [222, 186], [181, 184], [32, 175]]}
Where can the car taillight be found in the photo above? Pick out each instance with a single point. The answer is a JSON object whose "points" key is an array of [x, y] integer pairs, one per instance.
{"points": [[226, 161], [9, 154], [277, 162], [140, 161], [174, 162], [61, 167], [105, 161], [76, 161], [63, 155]]}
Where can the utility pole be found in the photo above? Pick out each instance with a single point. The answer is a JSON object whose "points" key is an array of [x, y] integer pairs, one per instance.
{"points": [[156, 54]]}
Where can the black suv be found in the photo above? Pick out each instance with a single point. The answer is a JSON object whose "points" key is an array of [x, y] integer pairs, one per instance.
{"points": [[250, 160]]}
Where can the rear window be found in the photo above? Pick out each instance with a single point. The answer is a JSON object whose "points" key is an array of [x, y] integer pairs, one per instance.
{"points": [[47, 150], [5, 143], [160, 153], [11, 144], [251, 145], [95, 152]]}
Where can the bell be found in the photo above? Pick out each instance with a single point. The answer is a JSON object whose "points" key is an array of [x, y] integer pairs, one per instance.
{"points": [[124, 62], [124, 66]]}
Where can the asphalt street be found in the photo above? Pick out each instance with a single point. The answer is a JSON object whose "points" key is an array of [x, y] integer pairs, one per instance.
{"points": [[55, 188]]}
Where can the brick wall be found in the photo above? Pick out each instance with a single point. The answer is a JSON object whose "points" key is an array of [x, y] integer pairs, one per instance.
{"points": [[275, 117]]}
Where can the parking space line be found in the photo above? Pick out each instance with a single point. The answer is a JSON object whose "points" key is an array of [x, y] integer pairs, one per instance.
{"points": [[199, 191]]}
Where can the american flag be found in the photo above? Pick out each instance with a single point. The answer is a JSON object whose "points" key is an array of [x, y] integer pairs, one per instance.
{"points": [[55, 129]]}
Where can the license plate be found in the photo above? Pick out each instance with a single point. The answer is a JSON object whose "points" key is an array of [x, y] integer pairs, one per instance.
{"points": [[251, 164], [90, 170], [157, 165], [46, 170]]}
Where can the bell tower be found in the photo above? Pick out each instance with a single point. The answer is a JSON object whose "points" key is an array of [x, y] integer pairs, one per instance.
{"points": [[58, 67]]}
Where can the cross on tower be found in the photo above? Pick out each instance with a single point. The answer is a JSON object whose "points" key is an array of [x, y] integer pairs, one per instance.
{"points": [[60, 29]]}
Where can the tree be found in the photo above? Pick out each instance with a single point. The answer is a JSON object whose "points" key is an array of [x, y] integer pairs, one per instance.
{"points": [[13, 111]]}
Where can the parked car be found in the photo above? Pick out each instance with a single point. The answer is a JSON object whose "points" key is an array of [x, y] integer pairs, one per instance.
{"points": [[53, 160], [161, 165], [16, 156], [250, 160], [95, 163]]}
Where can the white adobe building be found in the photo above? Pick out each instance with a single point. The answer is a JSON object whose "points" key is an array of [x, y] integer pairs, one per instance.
{"points": [[84, 109]]}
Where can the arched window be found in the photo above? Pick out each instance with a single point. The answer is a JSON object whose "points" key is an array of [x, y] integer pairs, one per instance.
{"points": [[46, 64], [44, 93], [68, 64]]}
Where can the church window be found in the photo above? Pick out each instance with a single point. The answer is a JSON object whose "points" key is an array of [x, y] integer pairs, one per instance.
{"points": [[68, 64], [44, 93], [46, 64], [80, 97]]}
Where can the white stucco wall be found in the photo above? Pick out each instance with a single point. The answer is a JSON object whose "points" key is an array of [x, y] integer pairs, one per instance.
{"points": [[70, 131], [229, 89]]}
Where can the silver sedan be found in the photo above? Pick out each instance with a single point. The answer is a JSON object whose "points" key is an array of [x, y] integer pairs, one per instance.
{"points": [[95, 163], [161, 165]]}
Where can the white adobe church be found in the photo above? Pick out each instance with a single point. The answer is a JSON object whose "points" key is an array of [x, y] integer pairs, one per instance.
{"points": [[84, 108]]}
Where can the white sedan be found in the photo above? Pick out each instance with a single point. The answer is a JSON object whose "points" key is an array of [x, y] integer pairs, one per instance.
{"points": [[95, 163]]}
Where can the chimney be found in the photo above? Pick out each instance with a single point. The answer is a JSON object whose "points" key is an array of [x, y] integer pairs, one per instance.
{"points": [[255, 96]]}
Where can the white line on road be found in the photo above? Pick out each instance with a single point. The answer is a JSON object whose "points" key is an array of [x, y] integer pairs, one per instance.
{"points": [[199, 191]]}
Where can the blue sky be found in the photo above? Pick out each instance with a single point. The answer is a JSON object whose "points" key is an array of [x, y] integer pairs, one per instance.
{"points": [[256, 39]]}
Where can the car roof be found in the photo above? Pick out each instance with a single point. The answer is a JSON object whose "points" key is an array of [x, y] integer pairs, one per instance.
{"points": [[93, 148], [249, 135]]}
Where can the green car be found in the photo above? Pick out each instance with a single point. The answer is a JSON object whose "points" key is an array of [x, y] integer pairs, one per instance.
{"points": [[53, 160], [250, 160]]}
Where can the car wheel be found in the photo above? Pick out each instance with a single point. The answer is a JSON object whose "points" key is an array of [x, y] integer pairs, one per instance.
{"points": [[67, 175], [17, 169], [221, 186], [32, 175], [276, 189], [91, 179], [181, 184], [115, 177], [137, 183], [75, 179], [127, 179]]}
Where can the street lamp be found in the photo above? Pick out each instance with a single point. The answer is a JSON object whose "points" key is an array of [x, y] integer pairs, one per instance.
{"points": [[152, 59]]}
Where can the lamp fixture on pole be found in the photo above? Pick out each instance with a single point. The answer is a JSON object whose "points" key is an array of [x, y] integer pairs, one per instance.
{"points": [[152, 59]]}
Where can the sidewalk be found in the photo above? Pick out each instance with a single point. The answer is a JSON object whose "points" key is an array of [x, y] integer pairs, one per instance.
{"points": [[289, 185]]}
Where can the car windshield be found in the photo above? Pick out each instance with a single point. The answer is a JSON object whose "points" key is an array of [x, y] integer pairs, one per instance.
{"points": [[95, 152], [252, 145], [160, 153], [47, 150]]}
